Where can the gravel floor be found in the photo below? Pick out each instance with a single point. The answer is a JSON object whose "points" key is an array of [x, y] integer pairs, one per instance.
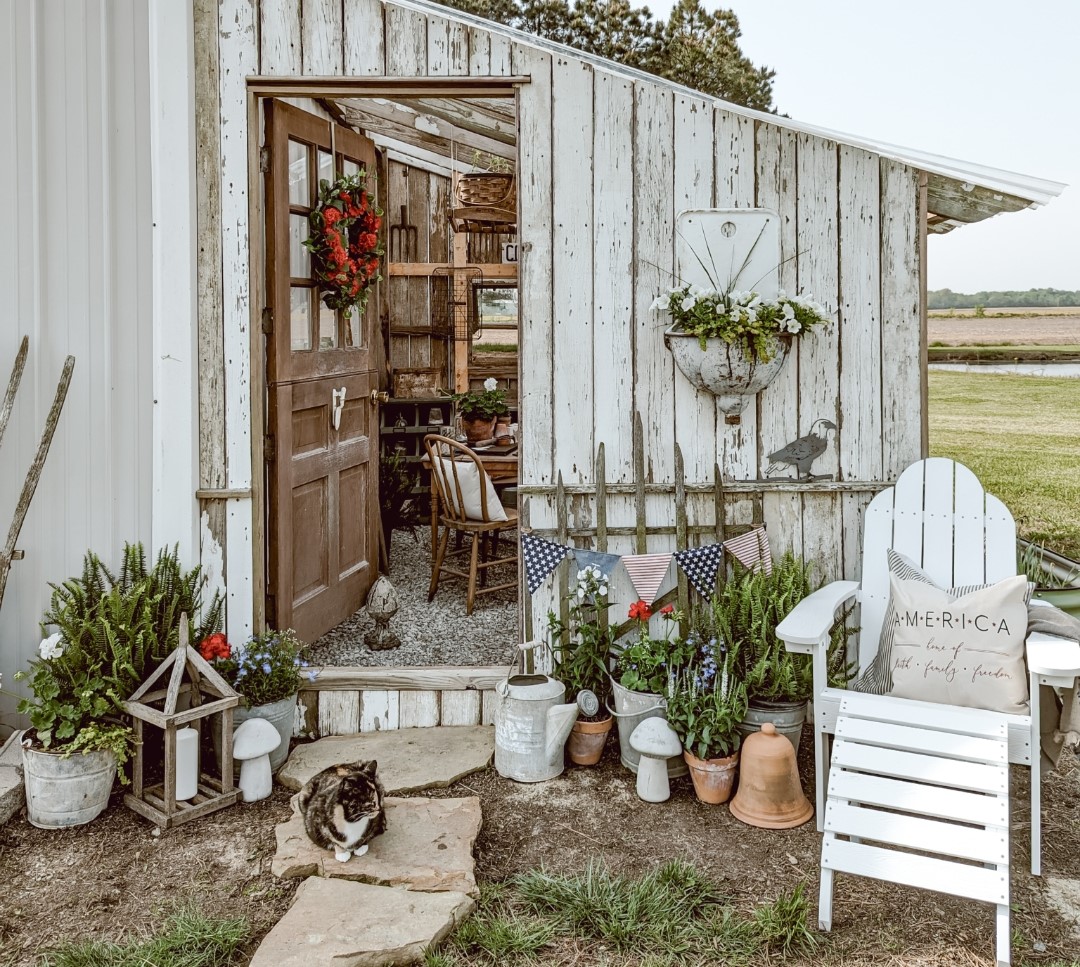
{"points": [[439, 633]]}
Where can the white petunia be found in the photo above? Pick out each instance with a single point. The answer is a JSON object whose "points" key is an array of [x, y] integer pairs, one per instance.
{"points": [[688, 303], [660, 302], [51, 647], [491, 384]]}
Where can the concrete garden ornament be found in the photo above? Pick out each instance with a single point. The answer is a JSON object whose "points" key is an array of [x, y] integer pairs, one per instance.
{"points": [[253, 742], [656, 742]]}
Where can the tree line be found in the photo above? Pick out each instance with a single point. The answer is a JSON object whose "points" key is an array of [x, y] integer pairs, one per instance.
{"points": [[693, 46], [1012, 299]]}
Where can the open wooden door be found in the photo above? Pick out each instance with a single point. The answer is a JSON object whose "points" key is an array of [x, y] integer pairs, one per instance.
{"points": [[322, 479]]}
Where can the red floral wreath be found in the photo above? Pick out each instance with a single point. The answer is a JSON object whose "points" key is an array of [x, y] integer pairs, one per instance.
{"points": [[345, 243]]}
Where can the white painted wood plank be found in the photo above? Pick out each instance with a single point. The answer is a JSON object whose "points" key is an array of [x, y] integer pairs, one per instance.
{"points": [[438, 59], [782, 513], [939, 485], [823, 534], [279, 37], [487, 713], [852, 514], [654, 370], [778, 403], [379, 710], [901, 405], [339, 713], [909, 797], [572, 291], [930, 715], [479, 52], [907, 513], [695, 411], [987, 845], [406, 42], [457, 49], [860, 316], [323, 34], [1000, 540], [613, 272], [460, 708], [957, 879], [536, 451], [418, 709], [365, 45], [502, 56], [238, 45], [935, 769]]}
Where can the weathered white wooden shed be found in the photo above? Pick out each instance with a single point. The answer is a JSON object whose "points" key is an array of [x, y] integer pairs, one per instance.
{"points": [[140, 188]]}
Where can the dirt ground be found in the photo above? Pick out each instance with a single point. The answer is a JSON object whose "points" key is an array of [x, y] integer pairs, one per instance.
{"points": [[115, 877], [1047, 329]]}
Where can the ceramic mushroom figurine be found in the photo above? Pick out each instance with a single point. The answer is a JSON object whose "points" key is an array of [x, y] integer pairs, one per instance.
{"points": [[253, 742], [657, 742]]}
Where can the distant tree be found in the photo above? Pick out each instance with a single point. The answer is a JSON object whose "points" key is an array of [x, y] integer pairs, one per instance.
{"points": [[1012, 299], [693, 47]]}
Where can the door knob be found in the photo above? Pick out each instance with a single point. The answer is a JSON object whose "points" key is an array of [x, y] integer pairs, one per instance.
{"points": [[379, 396]]}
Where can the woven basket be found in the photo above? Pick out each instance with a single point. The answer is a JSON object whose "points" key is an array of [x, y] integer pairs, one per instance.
{"points": [[488, 190]]}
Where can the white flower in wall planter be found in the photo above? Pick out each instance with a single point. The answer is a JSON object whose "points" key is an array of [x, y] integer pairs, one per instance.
{"points": [[51, 647]]}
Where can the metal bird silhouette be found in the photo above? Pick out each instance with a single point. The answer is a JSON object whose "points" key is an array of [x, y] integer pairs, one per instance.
{"points": [[802, 453]]}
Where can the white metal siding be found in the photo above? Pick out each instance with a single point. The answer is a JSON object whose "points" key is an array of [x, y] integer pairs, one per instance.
{"points": [[75, 276]]}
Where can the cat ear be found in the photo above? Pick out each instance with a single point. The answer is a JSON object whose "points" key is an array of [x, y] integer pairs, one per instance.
{"points": [[370, 767]]}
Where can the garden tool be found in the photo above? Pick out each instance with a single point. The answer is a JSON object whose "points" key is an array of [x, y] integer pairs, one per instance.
{"points": [[404, 240]]}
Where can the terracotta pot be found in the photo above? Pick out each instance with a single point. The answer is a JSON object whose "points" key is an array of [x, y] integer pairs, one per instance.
{"points": [[482, 428], [587, 741], [713, 778]]}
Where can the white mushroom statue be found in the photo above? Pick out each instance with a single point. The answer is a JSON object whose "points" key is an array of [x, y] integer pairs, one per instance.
{"points": [[253, 741], [657, 742]]}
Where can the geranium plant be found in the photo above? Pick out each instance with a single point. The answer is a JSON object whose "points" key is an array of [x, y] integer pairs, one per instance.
{"points": [[581, 644], [645, 664], [483, 405], [264, 669], [345, 243]]}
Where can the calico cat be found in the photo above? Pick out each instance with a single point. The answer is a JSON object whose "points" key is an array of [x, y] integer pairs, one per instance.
{"points": [[342, 808]]}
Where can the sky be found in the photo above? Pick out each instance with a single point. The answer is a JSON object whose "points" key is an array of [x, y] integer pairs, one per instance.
{"points": [[987, 81]]}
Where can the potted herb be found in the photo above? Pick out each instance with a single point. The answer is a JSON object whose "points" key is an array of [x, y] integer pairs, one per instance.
{"points": [[265, 671], [580, 647], [705, 706], [478, 410]]}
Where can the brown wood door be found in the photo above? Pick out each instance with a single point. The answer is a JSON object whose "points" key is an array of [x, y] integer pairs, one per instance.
{"points": [[322, 480]]}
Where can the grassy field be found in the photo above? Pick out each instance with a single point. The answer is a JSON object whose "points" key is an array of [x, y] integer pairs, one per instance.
{"points": [[1021, 437]]}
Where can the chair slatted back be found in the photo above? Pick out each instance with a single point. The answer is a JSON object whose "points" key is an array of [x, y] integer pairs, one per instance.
{"points": [[938, 515], [449, 460]]}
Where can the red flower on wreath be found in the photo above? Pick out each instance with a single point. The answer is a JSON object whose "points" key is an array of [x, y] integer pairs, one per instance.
{"points": [[214, 646], [639, 611], [345, 243]]}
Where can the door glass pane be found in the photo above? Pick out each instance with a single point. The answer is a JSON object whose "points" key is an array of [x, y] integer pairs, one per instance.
{"points": [[349, 167], [300, 317], [299, 257], [327, 327], [299, 190], [326, 166], [354, 331]]}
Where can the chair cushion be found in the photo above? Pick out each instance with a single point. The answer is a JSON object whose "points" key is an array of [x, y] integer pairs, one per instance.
{"points": [[468, 477], [960, 650]]}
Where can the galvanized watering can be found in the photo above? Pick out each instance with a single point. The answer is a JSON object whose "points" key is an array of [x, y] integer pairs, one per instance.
{"points": [[531, 727]]}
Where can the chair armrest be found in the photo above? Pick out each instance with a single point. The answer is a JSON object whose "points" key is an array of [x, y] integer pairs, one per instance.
{"points": [[1053, 656], [810, 620]]}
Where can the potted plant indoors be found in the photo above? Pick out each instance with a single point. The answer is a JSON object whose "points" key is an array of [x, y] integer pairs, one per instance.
{"points": [[642, 668], [478, 410], [705, 705], [580, 647], [265, 671]]}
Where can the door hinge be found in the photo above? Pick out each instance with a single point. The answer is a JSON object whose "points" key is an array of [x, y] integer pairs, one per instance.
{"points": [[264, 158], [267, 321], [269, 448]]}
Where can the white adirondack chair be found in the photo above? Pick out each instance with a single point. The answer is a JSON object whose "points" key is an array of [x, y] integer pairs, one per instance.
{"points": [[939, 516]]}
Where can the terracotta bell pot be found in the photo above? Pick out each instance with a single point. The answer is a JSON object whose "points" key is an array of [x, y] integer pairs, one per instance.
{"points": [[770, 794]]}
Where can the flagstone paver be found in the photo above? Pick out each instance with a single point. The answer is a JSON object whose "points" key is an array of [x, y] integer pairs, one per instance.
{"points": [[427, 846], [337, 923], [1064, 896], [12, 795], [410, 760]]}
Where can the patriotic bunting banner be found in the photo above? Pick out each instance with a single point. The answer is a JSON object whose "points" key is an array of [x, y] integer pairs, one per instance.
{"points": [[700, 565], [751, 550], [605, 563], [646, 572], [541, 558]]}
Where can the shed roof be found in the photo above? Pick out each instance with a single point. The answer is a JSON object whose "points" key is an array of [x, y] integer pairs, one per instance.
{"points": [[958, 192]]}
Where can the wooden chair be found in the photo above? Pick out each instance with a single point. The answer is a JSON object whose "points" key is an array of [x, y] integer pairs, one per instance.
{"points": [[468, 507], [938, 515]]}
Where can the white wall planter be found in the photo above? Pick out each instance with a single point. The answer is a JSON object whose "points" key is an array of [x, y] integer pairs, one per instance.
{"points": [[724, 369]]}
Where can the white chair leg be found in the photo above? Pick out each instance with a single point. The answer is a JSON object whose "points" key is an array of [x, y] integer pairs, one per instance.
{"points": [[821, 772], [1004, 956], [1034, 690], [825, 896]]}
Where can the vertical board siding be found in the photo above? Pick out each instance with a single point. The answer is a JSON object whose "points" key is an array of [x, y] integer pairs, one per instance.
{"points": [[323, 36], [75, 111], [365, 49], [279, 28], [406, 42]]}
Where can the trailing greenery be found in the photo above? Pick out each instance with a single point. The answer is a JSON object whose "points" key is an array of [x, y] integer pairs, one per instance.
{"points": [[581, 644], [1010, 299], [399, 508], [187, 938]]}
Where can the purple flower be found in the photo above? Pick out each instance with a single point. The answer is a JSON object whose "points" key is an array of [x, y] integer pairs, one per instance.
{"points": [[266, 668], [312, 675]]}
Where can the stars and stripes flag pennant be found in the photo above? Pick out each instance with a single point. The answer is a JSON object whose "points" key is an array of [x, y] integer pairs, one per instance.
{"points": [[646, 573], [700, 565], [541, 558], [603, 562], [751, 550]]}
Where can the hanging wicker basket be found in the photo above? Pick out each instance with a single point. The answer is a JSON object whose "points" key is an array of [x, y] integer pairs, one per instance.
{"points": [[488, 190]]}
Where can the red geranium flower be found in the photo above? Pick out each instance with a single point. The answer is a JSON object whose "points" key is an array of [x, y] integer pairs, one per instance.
{"points": [[214, 646], [331, 215], [639, 610], [667, 609]]}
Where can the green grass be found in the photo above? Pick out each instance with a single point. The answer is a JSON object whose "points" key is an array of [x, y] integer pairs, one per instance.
{"points": [[1020, 435], [670, 917], [186, 939], [1045, 349]]}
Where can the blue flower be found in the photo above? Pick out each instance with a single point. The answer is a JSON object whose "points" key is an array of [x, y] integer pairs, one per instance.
{"points": [[266, 668], [312, 675], [241, 672], [296, 662]]}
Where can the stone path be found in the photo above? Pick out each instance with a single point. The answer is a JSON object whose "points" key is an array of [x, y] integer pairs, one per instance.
{"points": [[416, 882], [12, 795]]}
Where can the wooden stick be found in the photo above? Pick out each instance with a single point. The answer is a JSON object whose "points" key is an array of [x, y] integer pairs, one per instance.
{"points": [[13, 384]]}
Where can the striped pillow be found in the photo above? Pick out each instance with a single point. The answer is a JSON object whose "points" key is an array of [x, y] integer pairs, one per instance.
{"points": [[877, 679]]}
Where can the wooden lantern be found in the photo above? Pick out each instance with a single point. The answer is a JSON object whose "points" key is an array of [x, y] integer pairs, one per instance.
{"points": [[190, 674]]}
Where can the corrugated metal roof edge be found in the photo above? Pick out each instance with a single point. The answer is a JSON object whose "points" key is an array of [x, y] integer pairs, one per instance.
{"points": [[1036, 191]]}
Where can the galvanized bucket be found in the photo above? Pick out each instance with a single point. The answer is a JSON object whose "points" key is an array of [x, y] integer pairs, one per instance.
{"points": [[631, 709], [66, 790], [788, 717]]}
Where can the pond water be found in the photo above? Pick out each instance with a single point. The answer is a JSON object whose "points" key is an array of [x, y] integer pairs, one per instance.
{"points": [[1067, 370]]}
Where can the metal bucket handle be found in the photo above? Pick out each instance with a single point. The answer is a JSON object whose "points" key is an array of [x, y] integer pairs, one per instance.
{"points": [[641, 711]]}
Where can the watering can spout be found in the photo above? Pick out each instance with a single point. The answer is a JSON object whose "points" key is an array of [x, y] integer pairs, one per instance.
{"points": [[560, 720]]}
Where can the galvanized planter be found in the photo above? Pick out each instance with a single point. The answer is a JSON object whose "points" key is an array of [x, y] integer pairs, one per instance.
{"points": [[66, 791], [724, 370]]}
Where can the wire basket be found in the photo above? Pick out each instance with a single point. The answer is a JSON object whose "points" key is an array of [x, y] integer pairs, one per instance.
{"points": [[488, 190]]}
